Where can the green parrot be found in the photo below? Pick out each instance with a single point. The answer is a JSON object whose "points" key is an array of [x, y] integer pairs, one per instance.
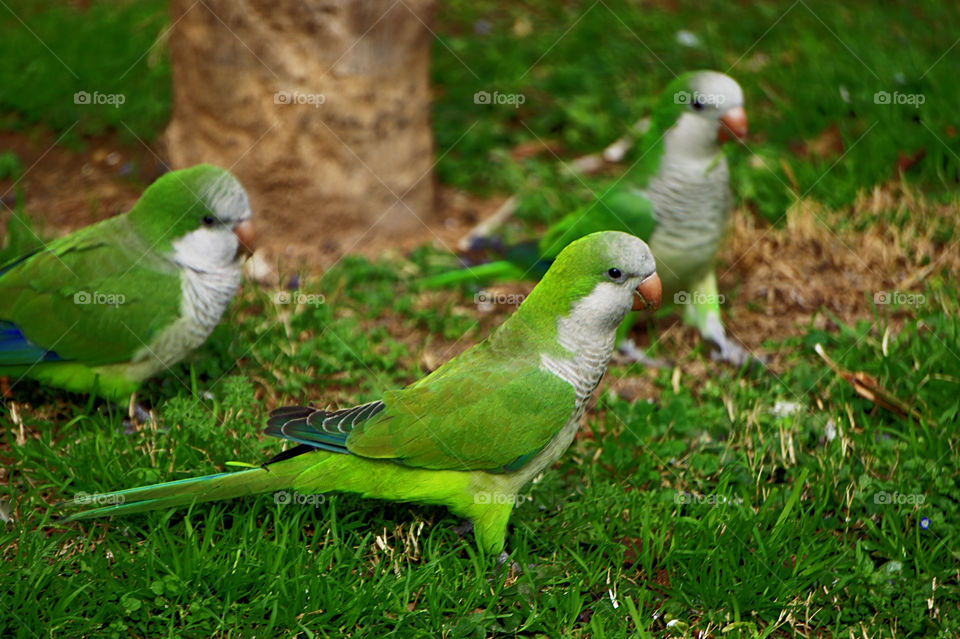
{"points": [[108, 306], [676, 197], [473, 432]]}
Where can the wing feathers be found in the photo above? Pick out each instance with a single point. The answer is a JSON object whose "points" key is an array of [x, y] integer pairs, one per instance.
{"points": [[319, 428]]}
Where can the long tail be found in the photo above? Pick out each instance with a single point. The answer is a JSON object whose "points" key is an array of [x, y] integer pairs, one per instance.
{"points": [[194, 490], [480, 274], [520, 262]]}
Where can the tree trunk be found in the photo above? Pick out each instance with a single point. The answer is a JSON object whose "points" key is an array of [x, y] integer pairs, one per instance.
{"points": [[320, 107]]}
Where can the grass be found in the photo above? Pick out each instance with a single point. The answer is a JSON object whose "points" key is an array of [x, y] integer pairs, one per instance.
{"points": [[55, 53], [734, 504], [706, 508], [587, 68]]}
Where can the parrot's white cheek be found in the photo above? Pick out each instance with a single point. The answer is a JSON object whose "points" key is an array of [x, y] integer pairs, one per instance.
{"points": [[603, 309], [693, 137], [206, 249]]}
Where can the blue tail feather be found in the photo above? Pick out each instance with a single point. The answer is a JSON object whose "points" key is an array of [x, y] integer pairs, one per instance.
{"points": [[17, 350]]}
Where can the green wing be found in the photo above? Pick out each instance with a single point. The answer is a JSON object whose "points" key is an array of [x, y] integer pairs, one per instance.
{"points": [[96, 296], [620, 209], [483, 410]]}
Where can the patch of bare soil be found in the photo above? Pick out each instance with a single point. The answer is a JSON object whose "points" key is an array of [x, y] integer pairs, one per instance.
{"points": [[782, 277], [457, 213], [65, 189]]}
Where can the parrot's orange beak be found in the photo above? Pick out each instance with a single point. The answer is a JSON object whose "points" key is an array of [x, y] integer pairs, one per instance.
{"points": [[244, 233], [733, 125], [648, 294]]}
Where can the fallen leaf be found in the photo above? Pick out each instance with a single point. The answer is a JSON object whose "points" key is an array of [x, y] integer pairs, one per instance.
{"points": [[869, 388]]}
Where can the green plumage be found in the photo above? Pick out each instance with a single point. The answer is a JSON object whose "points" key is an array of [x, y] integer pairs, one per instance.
{"points": [[616, 210], [441, 422], [85, 312], [60, 298], [467, 436]]}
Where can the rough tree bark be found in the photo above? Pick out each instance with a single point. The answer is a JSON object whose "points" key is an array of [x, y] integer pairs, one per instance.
{"points": [[320, 107]]}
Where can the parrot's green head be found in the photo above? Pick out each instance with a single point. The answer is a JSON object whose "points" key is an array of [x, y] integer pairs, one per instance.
{"points": [[594, 282], [199, 216], [699, 110]]}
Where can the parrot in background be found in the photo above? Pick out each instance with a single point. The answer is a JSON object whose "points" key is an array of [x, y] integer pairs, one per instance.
{"points": [[676, 197], [473, 432], [108, 306]]}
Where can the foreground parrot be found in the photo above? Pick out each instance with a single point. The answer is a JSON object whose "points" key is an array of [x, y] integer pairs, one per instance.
{"points": [[676, 197], [472, 433], [108, 306]]}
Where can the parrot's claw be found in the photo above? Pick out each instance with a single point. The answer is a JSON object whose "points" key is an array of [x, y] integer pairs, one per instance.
{"points": [[728, 350], [466, 528], [135, 415], [629, 353], [463, 529], [140, 415], [504, 557], [736, 355]]}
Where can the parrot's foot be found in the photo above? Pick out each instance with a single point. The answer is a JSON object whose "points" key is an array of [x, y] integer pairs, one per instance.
{"points": [[466, 528], [138, 415], [732, 353], [727, 350], [630, 353], [463, 529], [481, 233], [504, 558], [135, 416]]}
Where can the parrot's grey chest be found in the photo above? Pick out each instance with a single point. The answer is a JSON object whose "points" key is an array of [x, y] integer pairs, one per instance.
{"points": [[583, 372], [692, 205], [205, 295]]}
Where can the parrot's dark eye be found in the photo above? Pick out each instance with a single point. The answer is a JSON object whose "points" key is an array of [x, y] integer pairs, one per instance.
{"points": [[209, 220], [614, 274], [697, 104]]}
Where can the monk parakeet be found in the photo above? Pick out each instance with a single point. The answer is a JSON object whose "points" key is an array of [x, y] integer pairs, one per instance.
{"points": [[473, 432], [108, 306], [676, 197]]}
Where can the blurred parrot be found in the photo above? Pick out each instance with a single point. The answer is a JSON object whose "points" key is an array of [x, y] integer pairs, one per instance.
{"points": [[676, 197], [473, 432], [108, 306]]}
